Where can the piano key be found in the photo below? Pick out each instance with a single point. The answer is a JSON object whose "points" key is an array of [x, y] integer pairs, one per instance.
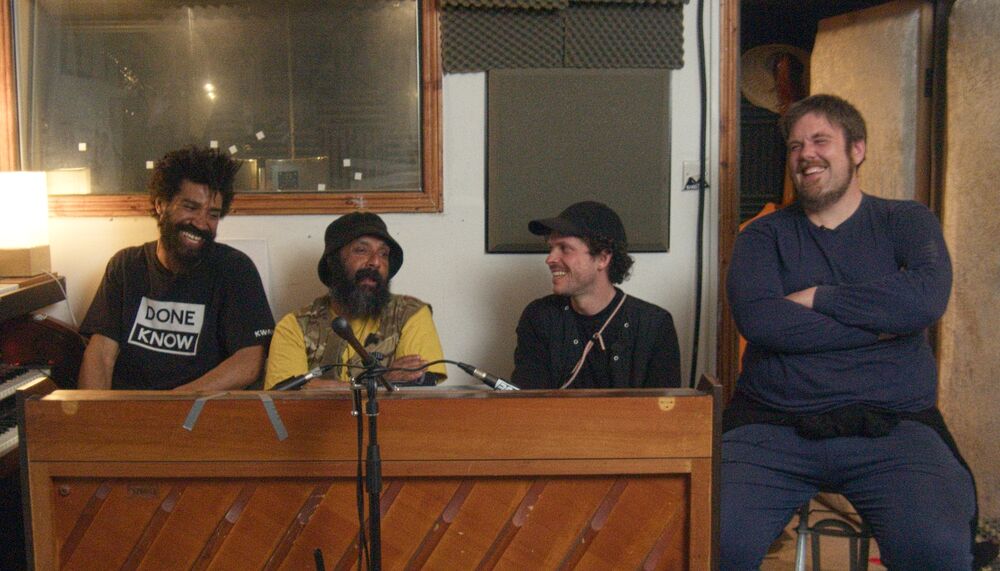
{"points": [[16, 377], [8, 441], [8, 388]]}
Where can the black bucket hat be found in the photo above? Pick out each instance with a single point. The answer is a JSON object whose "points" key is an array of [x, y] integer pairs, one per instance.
{"points": [[586, 219], [350, 227]]}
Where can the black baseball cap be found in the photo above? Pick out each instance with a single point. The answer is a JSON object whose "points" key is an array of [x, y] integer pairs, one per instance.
{"points": [[586, 219], [350, 227]]}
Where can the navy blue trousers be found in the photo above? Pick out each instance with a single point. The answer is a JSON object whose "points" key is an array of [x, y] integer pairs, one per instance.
{"points": [[907, 485]]}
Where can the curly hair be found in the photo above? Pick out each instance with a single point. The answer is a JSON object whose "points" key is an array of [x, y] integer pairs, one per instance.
{"points": [[200, 165], [621, 262]]}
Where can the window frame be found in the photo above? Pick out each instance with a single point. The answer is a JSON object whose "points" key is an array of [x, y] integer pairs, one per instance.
{"points": [[428, 199]]}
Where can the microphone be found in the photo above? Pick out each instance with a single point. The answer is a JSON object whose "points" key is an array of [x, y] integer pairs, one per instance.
{"points": [[494, 381], [292, 383], [343, 330]]}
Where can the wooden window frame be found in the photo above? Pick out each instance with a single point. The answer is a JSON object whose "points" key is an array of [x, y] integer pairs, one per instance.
{"points": [[428, 199]]}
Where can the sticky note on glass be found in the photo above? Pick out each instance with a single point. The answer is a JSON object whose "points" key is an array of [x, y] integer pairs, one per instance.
{"points": [[357, 176], [149, 165], [260, 135], [81, 146], [232, 149], [213, 144], [320, 186], [347, 162]]}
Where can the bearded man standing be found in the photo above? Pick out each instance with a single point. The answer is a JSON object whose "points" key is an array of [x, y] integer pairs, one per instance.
{"points": [[183, 312], [357, 265]]}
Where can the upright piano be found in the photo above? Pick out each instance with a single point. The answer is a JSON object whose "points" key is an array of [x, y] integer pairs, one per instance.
{"points": [[584, 479]]}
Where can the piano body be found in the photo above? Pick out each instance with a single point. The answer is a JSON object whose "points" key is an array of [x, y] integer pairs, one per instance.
{"points": [[471, 479]]}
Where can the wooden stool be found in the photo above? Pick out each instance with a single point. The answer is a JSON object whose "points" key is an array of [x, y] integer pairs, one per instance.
{"points": [[859, 539]]}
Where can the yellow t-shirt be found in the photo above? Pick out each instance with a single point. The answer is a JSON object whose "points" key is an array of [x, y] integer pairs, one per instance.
{"points": [[287, 356]]}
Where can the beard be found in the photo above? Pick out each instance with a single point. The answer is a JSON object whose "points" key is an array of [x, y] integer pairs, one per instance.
{"points": [[357, 300], [179, 253], [814, 198]]}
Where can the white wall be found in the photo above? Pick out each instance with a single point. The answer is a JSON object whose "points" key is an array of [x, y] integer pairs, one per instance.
{"points": [[477, 297]]}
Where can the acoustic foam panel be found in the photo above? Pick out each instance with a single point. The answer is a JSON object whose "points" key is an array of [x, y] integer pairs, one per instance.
{"points": [[477, 40], [624, 36], [634, 2], [523, 4], [523, 34]]}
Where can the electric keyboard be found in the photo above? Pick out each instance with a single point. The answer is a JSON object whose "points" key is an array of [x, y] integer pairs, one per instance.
{"points": [[12, 377]]}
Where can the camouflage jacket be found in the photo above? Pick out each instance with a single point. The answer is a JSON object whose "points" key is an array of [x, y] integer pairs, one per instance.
{"points": [[324, 347]]}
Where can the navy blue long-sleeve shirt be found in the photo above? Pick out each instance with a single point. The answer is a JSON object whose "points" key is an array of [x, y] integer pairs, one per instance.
{"points": [[882, 276]]}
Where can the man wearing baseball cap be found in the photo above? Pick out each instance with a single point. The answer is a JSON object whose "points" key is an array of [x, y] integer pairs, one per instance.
{"points": [[589, 333], [358, 262]]}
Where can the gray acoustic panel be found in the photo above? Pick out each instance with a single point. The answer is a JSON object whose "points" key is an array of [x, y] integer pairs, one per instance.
{"points": [[559, 136], [625, 36], [477, 40], [522, 4]]}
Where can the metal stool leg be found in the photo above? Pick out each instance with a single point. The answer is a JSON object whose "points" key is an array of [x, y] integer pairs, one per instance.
{"points": [[858, 540], [815, 551], [803, 531], [864, 541]]}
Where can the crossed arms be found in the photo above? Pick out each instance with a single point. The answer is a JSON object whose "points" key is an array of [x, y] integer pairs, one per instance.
{"points": [[823, 318]]}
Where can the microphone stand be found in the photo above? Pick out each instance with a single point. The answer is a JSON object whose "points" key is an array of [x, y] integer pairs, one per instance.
{"points": [[373, 462], [373, 466]]}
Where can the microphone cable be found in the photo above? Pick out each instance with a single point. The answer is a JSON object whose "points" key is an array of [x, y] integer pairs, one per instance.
{"points": [[702, 152], [492, 381]]}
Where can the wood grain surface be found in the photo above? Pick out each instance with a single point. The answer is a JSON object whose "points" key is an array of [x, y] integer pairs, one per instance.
{"points": [[536, 480]]}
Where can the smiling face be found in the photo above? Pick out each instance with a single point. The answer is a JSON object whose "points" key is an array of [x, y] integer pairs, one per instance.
{"points": [[575, 272], [188, 223], [822, 163]]}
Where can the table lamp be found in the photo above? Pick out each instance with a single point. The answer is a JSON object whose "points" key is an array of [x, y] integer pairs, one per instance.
{"points": [[24, 224]]}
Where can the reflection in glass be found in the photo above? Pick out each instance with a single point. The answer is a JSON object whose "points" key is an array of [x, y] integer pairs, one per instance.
{"points": [[316, 96]]}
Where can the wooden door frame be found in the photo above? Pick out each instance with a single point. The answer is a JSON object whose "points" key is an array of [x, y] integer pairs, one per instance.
{"points": [[727, 352]]}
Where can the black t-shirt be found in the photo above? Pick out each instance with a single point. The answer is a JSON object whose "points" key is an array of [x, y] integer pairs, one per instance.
{"points": [[598, 362], [173, 328]]}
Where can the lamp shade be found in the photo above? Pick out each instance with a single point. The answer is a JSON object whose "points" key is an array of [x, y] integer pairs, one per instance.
{"points": [[24, 223]]}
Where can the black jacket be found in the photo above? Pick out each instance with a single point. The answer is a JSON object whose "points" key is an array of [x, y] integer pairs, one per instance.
{"points": [[641, 343]]}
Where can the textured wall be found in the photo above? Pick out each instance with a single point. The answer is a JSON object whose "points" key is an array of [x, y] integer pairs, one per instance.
{"points": [[875, 59], [970, 360]]}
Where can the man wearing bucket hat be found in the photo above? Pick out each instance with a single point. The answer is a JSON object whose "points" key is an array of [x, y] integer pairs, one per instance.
{"points": [[589, 333], [358, 262]]}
